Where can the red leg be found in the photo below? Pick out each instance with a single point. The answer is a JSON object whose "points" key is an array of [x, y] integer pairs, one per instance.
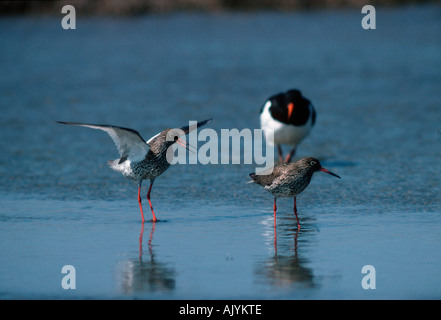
{"points": [[280, 152], [140, 203], [295, 212], [140, 240], [275, 240], [275, 209], [150, 203], [275, 231]]}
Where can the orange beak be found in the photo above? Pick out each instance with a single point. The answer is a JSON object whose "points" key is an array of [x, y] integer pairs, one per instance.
{"points": [[290, 109]]}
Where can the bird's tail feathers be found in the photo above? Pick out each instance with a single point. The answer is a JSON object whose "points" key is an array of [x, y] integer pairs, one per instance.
{"points": [[113, 163]]}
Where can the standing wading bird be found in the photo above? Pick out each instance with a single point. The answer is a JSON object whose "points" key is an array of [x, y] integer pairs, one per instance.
{"points": [[289, 179], [287, 118], [141, 160]]}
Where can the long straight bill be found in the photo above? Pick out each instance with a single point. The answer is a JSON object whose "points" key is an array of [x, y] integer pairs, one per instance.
{"points": [[331, 173]]}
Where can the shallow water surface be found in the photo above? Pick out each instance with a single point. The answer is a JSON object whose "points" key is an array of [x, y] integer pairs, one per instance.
{"points": [[378, 127]]}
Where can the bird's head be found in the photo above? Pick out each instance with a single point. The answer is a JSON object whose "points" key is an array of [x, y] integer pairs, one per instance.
{"points": [[293, 96], [313, 165], [163, 140], [166, 138]]}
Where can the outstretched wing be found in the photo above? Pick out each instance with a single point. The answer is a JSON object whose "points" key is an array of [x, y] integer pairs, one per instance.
{"points": [[129, 142], [187, 129]]}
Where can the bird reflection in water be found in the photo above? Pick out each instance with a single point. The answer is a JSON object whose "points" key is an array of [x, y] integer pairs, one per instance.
{"points": [[146, 274], [286, 267]]}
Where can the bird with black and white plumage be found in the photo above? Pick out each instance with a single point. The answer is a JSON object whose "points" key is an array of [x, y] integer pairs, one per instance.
{"points": [[140, 160], [286, 119]]}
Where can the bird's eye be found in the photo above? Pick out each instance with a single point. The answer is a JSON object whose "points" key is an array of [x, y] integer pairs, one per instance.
{"points": [[313, 163], [176, 138]]}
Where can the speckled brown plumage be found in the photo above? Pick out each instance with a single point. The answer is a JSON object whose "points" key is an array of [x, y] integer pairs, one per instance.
{"points": [[289, 179], [140, 160]]}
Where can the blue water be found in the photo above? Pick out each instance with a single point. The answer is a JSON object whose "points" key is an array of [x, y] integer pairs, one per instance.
{"points": [[378, 127]]}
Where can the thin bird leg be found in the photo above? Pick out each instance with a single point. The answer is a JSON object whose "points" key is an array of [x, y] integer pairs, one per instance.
{"points": [[150, 203], [280, 152], [275, 209], [275, 232], [140, 202], [290, 155], [295, 212], [140, 241]]}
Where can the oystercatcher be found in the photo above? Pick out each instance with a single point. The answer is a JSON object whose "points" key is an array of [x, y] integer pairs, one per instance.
{"points": [[139, 159], [289, 180], [286, 119]]}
